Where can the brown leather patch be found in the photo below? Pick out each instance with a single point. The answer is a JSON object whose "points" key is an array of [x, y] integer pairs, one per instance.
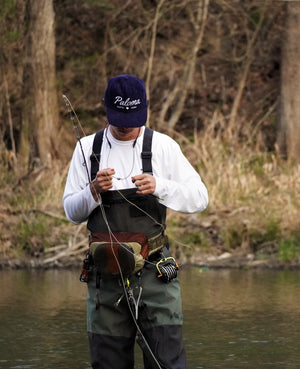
{"points": [[123, 237]]}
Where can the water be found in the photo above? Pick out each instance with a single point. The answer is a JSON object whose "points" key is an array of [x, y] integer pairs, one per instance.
{"points": [[244, 319], [234, 319]]}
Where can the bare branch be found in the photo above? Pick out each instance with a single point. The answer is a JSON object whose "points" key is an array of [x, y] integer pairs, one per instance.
{"points": [[152, 50], [245, 73], [184, 85]]}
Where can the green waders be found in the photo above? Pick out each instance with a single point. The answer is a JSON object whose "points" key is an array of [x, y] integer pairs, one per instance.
{"points": [[111, 328]]}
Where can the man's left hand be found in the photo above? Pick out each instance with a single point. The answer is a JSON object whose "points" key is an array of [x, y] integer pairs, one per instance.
{"points": [[145, 183]]}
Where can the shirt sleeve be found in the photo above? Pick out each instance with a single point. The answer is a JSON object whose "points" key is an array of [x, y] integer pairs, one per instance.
{"points": [[178, 185], [78, 201]]}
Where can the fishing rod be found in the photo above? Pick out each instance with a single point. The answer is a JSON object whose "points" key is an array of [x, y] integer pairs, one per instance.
{"points": [[132, 304], [75, 120], [167, 267], [76, 123]]}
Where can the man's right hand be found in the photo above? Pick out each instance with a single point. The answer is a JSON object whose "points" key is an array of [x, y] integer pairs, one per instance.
{"points": [[102, 182]]}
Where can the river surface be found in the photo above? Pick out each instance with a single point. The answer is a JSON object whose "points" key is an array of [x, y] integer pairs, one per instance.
{"points": [[234, 319]]}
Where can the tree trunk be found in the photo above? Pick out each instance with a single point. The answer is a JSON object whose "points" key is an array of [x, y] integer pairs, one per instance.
{"points": [[288, 138], [40, 111]]}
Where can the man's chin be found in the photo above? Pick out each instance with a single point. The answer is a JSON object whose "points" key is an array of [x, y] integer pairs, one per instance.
{"points": [[125, 129]]}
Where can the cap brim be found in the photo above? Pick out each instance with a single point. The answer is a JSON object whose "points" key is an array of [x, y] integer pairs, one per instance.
{"points": [[130, 120]]}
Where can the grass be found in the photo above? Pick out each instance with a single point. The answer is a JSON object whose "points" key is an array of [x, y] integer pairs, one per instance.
{"points": [[289, 248], [254, 196]]}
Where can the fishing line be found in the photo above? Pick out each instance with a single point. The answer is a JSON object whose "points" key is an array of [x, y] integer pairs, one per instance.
{"points": [[141, 337], [76, 122]]}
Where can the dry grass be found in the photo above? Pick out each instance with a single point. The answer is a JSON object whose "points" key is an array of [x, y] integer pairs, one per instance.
{"points": [[254, 200], [259, 184], [254, 195]]}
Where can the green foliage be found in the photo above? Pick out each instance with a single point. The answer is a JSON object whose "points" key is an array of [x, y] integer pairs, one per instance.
{"points": [[59, 84], [20, 201], [235, 233], [269, 232], [7, 9], [87, 119], [13, 36], [28, 232], [289, 248], [233, 236], [256, 165], [230, 237], [255, 16], [197, 239], [37, 232], [6, 176], [272, 230], [101, 3]]}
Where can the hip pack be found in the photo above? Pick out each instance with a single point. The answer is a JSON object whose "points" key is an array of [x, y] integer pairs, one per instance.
{"points": [[123, 252]]}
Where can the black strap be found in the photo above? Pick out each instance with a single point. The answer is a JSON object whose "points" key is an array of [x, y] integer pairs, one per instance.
{"points": [[146, 153], [96, 153]]}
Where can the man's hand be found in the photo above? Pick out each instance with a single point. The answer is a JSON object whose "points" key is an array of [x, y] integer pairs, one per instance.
{"points": [[102, 182], [145, 183]]}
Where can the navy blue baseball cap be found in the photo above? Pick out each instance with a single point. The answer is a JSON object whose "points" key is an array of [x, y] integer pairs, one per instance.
{"points": [[126, 101]]}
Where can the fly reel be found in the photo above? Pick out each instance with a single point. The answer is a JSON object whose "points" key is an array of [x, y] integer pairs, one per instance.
{"points": [[167, 269]]}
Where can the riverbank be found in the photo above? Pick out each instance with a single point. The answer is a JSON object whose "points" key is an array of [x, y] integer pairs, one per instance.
{"points": [[252, 220], [226, 260], [231, 261]]}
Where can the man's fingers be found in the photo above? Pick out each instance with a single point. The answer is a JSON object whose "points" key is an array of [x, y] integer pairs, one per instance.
{"points": [[106, 172], [145, 183]]}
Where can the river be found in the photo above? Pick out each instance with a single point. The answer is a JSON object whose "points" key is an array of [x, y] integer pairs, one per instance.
{"points": [[234, 319]]}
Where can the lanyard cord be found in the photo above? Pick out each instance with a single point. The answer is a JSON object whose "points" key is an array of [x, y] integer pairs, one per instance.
{"points": [[133, 155]]}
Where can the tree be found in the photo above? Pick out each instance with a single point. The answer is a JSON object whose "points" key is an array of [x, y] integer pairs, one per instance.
{"points": [[289, 113], [11, 26], [40, 110]]}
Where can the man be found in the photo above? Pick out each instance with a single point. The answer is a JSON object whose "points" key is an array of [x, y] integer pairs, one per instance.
{"points": [[132, 286]]}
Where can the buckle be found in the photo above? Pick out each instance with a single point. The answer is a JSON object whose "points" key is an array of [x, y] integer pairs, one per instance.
{"points": [[146, 155], [157, 242]]}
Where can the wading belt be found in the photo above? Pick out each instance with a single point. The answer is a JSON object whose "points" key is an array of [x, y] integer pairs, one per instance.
{"points": [[146, 153]]}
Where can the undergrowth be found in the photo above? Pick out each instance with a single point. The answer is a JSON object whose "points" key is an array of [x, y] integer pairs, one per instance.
{"points": [[254, 202], [253, 208]]}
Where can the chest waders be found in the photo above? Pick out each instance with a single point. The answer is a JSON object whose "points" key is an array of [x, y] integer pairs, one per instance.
{"points": [[122, 215], [157, 306]]}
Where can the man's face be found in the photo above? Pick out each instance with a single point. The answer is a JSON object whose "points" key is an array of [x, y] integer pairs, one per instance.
{"points": [[124, 133]]}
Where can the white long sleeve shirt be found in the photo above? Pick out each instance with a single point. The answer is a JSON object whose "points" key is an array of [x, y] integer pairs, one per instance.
{"points": [[178, 186]]}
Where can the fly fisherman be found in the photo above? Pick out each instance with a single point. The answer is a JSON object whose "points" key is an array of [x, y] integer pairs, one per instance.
{"points": [[121, 181]]}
